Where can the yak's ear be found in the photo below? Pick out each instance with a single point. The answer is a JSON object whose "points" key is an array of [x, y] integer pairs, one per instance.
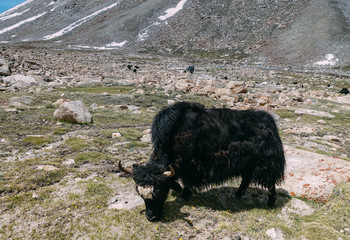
{"points": [[169, 174], [126, 170]]}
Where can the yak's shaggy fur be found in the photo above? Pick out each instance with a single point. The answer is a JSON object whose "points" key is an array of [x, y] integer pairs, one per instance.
{"points": [[209, 146]]}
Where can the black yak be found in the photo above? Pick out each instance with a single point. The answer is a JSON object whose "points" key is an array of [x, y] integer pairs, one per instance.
{"points": [[202, 147]]}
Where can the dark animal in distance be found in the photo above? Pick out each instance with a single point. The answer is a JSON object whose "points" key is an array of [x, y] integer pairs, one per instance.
{"points": [[190, 69], [344, 91], [132, 68], [202, 147]]}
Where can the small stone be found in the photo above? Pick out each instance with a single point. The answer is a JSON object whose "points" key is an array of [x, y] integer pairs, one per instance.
{"points": [[140, 91], [146, 138], [275, 234], [69, 162], [116, 135], [11, 110], [46, 167], [35, 196]]}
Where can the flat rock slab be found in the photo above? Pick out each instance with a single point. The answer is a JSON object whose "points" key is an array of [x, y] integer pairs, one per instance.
{"points": [[313, 175], [127, 199]]}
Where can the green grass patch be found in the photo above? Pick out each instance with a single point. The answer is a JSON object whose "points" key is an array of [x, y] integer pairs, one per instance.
{"points": [[37, 141], [77, 144], [131, 134], [98, 194], [92, 157]]}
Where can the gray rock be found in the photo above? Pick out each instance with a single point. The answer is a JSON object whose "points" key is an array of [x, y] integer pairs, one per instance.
{"points": [[20, 81], [4, 68], [69, 162], [125, 201], [74, 111], [146, 138], [298, 207], [21, 101], [46, 167], [314, 113], [275, 234]]}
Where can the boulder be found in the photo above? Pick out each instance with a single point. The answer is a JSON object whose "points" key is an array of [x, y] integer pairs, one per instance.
{"points": [[4, 68], [204, 91], [220, 92], [60, 101], [298, 207], [183, 85], [236, 87], [74, 111], [19, 80], [21, 101]]}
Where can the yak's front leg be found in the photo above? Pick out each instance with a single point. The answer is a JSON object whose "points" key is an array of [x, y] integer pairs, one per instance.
{"points": [[272, 196], [186, 194], [244, 186], [175, 186]]}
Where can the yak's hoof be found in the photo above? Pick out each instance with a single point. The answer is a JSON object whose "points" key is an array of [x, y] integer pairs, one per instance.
{"points": [[186, 194], [238, 195], [271, 203]]}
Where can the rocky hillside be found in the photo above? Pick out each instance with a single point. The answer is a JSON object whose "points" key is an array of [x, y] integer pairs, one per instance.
{"points": [[270, 31]]}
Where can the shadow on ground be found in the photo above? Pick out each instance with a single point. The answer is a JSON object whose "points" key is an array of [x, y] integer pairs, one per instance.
{"points": [[223, 199]]}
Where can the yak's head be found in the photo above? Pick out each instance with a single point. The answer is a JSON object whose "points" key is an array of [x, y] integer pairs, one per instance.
{"points": [[152, 184]]}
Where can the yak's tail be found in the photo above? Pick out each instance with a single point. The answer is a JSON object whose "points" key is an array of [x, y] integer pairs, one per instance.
{"points": [[165, 121]]}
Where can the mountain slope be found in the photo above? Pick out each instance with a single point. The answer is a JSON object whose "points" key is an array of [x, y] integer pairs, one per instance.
{"points": [[270, 29]]}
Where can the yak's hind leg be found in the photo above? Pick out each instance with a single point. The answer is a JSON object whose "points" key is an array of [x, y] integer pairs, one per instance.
{"points": [[244, 185], [272, 196], [186, 194]]}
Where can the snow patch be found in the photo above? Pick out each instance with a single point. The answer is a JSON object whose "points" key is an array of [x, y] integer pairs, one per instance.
{"points": [[144, 33], [109, 46], [172, 11], [13, 15], [78, 23], [21, 23], [330, 59], [114, 44]]}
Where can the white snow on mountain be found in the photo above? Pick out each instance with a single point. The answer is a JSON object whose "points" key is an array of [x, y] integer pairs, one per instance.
{"points": [[78, 23], [172, 11], [21, 23], [13, 15], [330, 59]]}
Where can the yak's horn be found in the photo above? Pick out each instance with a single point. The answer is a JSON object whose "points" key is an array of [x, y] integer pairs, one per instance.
{"points": [[169, 174], [126, 170]]}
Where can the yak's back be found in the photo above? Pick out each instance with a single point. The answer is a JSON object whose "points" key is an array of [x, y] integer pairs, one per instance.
{"points": [[167, 120]]}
